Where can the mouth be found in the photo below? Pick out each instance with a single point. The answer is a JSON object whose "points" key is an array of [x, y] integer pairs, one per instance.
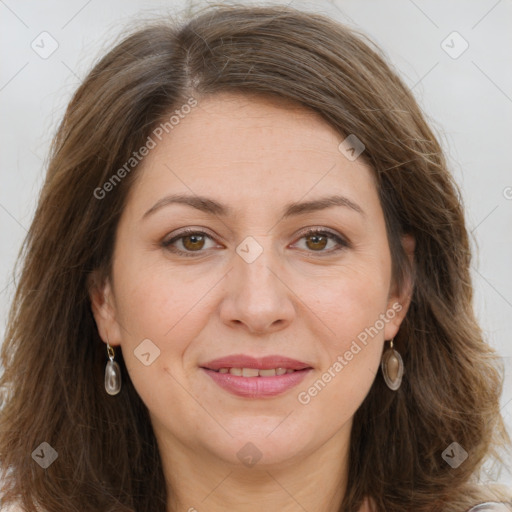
{"points": [[245, 365], [251, 377], [254, 372]]}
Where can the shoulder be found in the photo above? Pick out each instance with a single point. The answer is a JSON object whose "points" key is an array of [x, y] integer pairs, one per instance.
{"points": [[491, 506]]}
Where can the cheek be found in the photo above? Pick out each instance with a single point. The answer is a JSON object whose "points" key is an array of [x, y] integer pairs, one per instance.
{"points": [[350, 352], [159, 314], [351, 308], [156, 299], [352, 297], [356, 322]]}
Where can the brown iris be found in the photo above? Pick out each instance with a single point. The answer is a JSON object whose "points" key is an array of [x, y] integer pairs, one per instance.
{"points": [[319, 241], [197, 242]]}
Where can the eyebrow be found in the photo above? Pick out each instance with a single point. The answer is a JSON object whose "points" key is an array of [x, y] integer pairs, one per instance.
{"points": [[208, 205]]}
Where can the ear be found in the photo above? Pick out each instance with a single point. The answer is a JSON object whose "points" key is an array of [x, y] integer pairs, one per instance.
{"points": [[103, 308], [399, 300]]}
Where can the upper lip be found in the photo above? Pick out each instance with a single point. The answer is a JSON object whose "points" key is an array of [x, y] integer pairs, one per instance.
{"points": [[262, 363]]}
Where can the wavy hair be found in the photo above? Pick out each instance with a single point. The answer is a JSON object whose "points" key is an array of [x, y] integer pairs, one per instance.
{"points": [[54, 359]]}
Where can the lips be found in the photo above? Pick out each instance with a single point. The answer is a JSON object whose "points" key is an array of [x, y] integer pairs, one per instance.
{"points": [[256, 378], [260, 363]]}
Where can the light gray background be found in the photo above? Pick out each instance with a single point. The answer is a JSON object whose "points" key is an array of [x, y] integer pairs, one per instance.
{"points": [[468, 101]]}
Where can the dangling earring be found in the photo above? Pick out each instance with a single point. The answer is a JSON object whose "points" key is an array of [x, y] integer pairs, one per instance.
{"points": [[112, 373], [392, 367]]}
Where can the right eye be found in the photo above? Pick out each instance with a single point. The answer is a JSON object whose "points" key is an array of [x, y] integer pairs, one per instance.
{"points": [[191, 240]]}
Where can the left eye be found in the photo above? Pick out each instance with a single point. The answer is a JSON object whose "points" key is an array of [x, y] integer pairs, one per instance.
{"points": [[194, 241], [318, 239]]}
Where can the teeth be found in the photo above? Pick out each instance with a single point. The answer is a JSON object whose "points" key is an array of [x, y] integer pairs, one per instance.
{"points": [[250, 372], [255, 372]]}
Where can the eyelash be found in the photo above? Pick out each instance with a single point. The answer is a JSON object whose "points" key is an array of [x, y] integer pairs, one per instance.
{"points": [[167, 244]]}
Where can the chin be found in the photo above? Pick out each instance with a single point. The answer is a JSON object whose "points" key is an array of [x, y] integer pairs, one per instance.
{"points": [[259, 449]]}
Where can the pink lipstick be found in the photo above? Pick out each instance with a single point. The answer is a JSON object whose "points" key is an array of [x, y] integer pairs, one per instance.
{"points": [[251, 377]]}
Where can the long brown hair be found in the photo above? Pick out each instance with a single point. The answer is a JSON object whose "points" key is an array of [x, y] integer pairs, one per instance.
{"points": [[54, 359]]}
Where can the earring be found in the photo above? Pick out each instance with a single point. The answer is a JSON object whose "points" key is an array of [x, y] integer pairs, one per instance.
{"points": [[392, 367], [112, 373]]}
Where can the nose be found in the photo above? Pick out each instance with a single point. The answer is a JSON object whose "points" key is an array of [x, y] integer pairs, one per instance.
{"points": [[256, 294]]}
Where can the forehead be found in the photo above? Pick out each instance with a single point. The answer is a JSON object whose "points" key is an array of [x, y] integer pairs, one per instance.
{"points": [[252, 152]]}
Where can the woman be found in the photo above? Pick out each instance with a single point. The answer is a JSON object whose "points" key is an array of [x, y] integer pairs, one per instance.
{"points": [[247, 286]]}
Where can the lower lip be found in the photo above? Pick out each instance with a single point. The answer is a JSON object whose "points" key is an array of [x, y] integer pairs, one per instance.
{"points": [[257, 387]]}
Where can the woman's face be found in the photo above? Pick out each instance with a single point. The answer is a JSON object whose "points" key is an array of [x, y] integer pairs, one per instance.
{"points": [[250, 282]]}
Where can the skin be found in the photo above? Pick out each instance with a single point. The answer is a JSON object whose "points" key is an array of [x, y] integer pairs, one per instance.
{"points": [[255, 155]]}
